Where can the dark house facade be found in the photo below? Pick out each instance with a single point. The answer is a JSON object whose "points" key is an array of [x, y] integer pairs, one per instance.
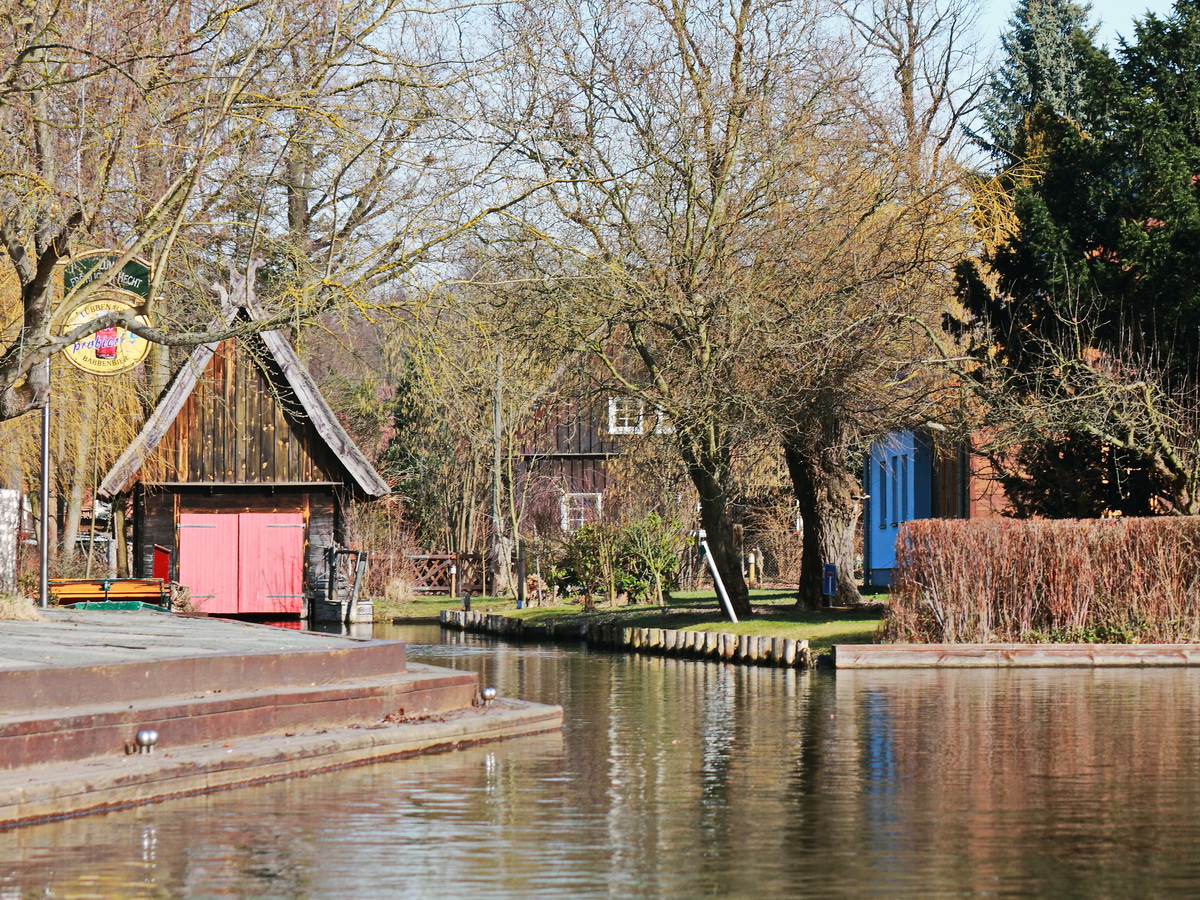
{"points": [[567, 455]]}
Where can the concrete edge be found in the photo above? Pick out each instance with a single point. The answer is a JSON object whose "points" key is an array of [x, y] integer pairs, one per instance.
{"points": [[40, 793], [992, 656]]}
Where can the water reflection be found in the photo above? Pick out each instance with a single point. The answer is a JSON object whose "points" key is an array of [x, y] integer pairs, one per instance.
{"points": [[675, 778]]}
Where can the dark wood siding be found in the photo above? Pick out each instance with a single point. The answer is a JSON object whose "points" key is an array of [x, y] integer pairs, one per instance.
{"points": [[572, 430], [239, 426]]}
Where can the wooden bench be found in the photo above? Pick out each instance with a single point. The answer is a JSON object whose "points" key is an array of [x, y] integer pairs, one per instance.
{"points": [[109, 590]]}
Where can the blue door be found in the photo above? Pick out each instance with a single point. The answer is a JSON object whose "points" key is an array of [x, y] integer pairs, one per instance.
{"points": [[899, 487]]}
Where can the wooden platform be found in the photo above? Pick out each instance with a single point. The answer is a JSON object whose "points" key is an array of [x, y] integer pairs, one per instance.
{"points": [[895, 656]]}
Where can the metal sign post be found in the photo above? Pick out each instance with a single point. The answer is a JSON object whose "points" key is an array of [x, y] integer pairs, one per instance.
{"points": [[110, 351], [712, 567], [44, 537]]}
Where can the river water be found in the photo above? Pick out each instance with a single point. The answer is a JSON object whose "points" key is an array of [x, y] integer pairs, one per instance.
{"points": [[674, 778]]}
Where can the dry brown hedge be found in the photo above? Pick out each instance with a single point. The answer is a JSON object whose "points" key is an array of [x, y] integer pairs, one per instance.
{"points": [[1118, 580]]}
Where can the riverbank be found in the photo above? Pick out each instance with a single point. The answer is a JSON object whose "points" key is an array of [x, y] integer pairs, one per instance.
{"points": [[746, 649], [689, 625], [775, 616]]}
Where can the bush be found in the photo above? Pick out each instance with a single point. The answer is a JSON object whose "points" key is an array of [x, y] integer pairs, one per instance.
{"points": [[587, 566], [649, 557], [1112, 580], [638, 559]]}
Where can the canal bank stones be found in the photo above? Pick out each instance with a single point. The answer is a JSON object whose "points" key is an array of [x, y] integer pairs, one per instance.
{"points": [[744, 649]]}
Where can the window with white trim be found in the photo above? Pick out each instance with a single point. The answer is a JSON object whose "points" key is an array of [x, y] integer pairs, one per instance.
{"points": [[624, 415], [663, 423], [579, 509]]}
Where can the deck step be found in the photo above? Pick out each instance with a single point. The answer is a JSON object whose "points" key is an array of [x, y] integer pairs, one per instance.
{"points": [[86, 730]]}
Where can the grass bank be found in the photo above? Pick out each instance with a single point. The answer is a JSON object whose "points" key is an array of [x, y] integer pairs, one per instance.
{"points": [[775, 615]]}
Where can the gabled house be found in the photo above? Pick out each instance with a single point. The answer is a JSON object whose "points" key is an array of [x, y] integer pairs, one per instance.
{"points": [[238, 479], [567, 454]]}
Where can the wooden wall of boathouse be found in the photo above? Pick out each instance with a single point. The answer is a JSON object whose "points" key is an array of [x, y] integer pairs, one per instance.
{"points": [[241, 444], [242, 425]]}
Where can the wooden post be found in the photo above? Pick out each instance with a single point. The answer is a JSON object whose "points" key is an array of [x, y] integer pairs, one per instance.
{"points": [[118, 514]]}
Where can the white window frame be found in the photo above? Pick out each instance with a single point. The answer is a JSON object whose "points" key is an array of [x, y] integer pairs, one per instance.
{"points": [[619, 415], [572, 507], [663, 423]]}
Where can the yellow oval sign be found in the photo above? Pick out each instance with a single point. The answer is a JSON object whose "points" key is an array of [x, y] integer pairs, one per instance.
{"points": [[109, 351]]}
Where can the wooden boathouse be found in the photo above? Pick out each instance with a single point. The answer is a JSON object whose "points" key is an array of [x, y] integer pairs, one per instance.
{"points": [[238, 479]]}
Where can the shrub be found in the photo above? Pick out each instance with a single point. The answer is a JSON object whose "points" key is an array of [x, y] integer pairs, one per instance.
{"points": [[649, 557], [587, 566], [638, 559], [1120, 580]]}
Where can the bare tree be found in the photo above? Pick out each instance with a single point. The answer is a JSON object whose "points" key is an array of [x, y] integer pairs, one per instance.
{"points": [[320, 139], [737, 232], [327, 139], [874, 282], [664, 129]]}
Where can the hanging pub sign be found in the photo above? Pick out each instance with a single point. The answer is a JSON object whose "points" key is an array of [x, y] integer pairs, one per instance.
{"points": [[134, 276], [110, 351]]}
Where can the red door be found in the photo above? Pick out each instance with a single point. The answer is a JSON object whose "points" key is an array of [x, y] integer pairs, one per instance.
{"points": [[243, 563], [271, 563], [208, 561]]}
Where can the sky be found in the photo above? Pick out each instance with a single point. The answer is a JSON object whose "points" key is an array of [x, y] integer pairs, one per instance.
{"points": [[1115, 17]]}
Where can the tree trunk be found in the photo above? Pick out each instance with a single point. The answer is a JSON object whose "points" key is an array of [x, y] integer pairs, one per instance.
{"points": [[10, 522], [714, 519], [829, 497]]}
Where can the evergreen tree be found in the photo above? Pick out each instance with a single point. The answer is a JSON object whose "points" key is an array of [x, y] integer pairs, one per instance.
{"points": [[1091, 309], [1042, 71]]}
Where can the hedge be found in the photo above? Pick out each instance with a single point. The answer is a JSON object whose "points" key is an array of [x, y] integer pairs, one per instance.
{"points": [[1110, 580]]}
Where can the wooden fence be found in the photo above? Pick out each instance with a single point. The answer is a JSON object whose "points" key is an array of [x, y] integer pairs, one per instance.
{"points": [[448, 573]]}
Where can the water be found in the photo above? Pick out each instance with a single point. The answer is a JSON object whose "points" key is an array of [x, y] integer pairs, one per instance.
{"points": [[684, 779]]}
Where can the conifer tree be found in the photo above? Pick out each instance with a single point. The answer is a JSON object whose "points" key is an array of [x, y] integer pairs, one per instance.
{"points": [[1042, 71], [1091, 308]]}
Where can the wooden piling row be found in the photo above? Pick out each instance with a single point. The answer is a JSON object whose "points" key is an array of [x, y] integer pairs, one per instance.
{"points": [[744, 649]]}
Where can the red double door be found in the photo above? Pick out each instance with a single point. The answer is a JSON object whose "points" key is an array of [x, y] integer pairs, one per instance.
{"points": [[243, 562]]}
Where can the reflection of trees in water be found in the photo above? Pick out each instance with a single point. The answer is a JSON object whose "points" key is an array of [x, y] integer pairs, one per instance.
{"points": [[682, 778], [1066, 782]]}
